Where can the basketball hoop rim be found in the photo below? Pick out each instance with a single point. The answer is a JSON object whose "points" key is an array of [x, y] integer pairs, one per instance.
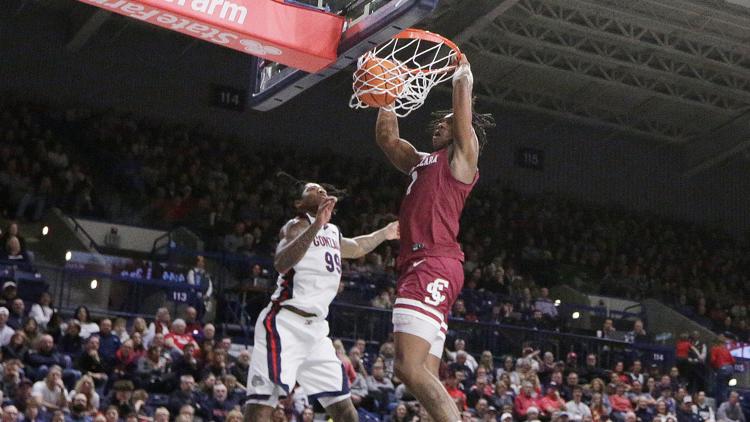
{"points": [[414, 33]]}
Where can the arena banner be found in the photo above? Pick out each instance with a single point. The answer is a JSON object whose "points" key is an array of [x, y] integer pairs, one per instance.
{"points": [[296, 36]]}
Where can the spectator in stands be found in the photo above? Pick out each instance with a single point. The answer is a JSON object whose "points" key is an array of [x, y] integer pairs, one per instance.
{"points": [[88, 327], [192, 323], [201, 280], [597, 386], [10, 413], [13, 230], [591, 371], [10, 292], [461, 364], [31, 331], [16, 255], [187, 413], [722, 363], [161, 414], [382, 300], [453, 386], [551, 403], [532, 414], [379, 387], [662, 413], [109, 343], [85, 386], [187, 363], [6, 332], [525, 400], [545, 305], [502, 395], [571, 383], [608, 329], [11, 379], [686, 412], [125, 360], [177, 338], [52, 390], [730, 410], [638, 334], [696, 363], [576, 408], [71, 343], [620, 403], [185, 395], [460, 345], [643, 410], [17, 314], [636, 393], [39, 360], [91, 363], [17, 348], [636, 373], [34, 413], [480, 390], [400, 414], [151, 368], [218, 406], [701, 407], [241, 367], [599, 411], [159, 325], [234, 240], [120, 398], [79, 409], [112, 239], [42, 310], [388, 354]]}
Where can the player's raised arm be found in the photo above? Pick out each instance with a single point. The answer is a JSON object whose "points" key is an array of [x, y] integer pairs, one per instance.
{"points": [[362, 245], [466, 153], [401, 153], [297, 235]]}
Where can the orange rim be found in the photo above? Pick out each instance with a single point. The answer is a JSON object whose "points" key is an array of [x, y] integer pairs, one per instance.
{"points": [[413, 33]]}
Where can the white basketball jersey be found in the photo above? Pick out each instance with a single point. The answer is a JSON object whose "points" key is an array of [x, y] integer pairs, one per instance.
{"points": [[312, 284]]}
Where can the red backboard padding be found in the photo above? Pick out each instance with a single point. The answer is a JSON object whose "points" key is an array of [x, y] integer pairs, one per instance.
{"points": [[296, 36]]}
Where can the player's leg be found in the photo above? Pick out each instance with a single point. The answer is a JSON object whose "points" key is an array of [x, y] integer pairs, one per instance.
{"points": [[343, 410], [416, 367], [258, 413], [322, 376], [277, 354]]}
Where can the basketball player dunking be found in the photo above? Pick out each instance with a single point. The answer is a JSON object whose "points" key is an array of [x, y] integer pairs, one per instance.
{"points": [[291, 334], [430, 259]]}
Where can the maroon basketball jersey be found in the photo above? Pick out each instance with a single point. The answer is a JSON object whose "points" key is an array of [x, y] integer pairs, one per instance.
{"points": [[431, 210]]}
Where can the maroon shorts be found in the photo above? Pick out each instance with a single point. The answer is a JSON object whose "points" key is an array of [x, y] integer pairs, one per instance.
{"points": [[429, 286]]}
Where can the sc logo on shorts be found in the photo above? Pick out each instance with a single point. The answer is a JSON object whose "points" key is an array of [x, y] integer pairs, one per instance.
{"points": [[435, 289]]}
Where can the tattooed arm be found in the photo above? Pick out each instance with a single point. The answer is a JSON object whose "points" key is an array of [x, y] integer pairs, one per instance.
{"points": [[362, 245], [297, 235]]}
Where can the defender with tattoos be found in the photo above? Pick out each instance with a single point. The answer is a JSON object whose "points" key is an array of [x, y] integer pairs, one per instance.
{"points": [[291, 343]]}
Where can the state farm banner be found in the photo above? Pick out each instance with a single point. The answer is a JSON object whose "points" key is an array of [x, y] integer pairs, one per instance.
{"points": [[295, 36]]}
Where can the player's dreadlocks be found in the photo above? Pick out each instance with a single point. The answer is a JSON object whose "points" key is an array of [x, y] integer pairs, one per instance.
{"points": [[299, 185], [480, 122]]}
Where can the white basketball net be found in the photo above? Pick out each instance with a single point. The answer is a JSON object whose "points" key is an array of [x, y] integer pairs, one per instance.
{"points": [[420, 65]]}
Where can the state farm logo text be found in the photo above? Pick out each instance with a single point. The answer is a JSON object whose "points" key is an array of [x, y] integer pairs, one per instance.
{"points": [[225, 9]]}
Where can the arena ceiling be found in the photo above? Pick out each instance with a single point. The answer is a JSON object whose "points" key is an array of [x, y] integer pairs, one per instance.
{"points": [[672, 71], [675, 71]]}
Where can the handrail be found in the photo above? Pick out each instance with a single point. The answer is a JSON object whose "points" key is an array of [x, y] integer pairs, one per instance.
{"points": [[337, 304], [78, 227], [168, 235]]}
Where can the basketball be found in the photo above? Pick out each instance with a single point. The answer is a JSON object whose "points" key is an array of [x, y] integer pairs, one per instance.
{"points": [[378, 82]]}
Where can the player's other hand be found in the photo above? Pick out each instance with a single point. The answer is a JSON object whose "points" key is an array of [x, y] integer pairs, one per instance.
{"points": [[392, 231], [325, 210], [463, 70], [463, 61]]}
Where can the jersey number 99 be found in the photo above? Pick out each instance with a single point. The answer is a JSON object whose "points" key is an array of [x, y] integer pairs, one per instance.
{"points": [[333, 262]]}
